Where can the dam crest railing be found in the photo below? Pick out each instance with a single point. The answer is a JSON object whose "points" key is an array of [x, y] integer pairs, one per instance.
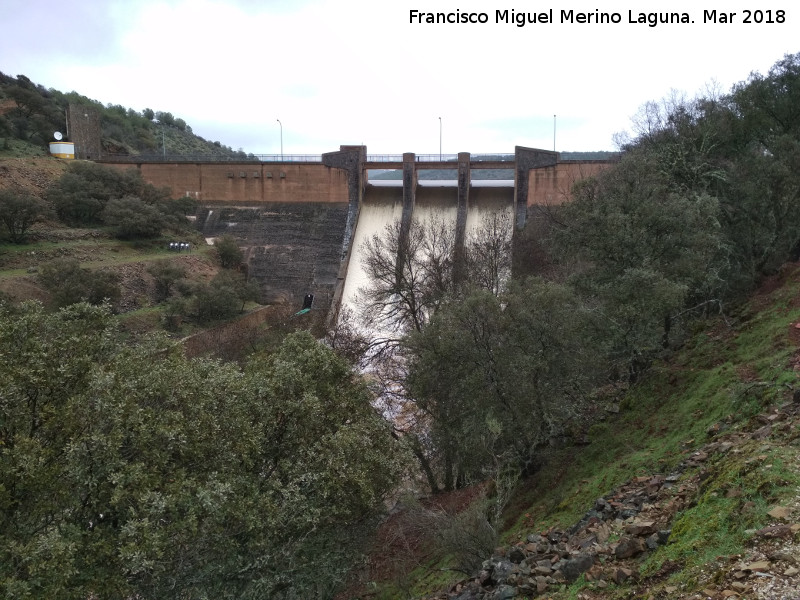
{"points": [[295, 158]]}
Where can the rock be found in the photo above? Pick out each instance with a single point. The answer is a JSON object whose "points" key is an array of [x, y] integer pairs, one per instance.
{"points": [[777, 531], [622, 575], [501, 570], [791, 571], [760, 566], [640, 528], [504, 592], [663, 536], [516, 555], [533, 538], [469, 594], [629, 547], [652, 542], [739, 586], [780, 512], [574, 567], [762, 433]]}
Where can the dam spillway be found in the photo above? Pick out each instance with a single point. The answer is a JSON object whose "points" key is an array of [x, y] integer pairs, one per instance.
{"points": [[436, 200]]}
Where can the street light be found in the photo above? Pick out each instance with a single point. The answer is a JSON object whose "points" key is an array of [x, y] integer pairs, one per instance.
{"points": [[554, 133], [440, 139], [281, 124]]}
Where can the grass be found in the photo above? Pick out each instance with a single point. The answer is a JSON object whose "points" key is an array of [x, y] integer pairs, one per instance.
{"points": [[93, 253], [13, 148]]}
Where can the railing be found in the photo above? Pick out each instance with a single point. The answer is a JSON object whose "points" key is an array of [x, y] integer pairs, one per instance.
{"points": [[290, 158], [499, 157], [256, 158]]}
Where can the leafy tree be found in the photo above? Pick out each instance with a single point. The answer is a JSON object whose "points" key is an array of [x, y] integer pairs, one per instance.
{"points": [[165, 273], [165, 118], [69, 283], [642, 252], [761, 206], [223, 297], [81, 194], [228, 251], [148, 114], [133, 219], [132, 471], [497, 377], [18, 212]]}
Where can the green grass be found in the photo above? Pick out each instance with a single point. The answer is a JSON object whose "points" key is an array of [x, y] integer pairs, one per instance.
{"points": [[12, 148], [93, 253]]}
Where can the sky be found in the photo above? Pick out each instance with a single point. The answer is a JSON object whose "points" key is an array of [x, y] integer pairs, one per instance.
{"points": [[316, 74]]}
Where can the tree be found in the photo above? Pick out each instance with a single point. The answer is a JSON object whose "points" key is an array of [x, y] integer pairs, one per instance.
{"points": [[409, 275], [165, 273], [498, 377], [641, 251], [129, 470], [69, 283], [81, 194], [18, 212], [228, 251], [223, 297], [488, 253], [133, 219]]}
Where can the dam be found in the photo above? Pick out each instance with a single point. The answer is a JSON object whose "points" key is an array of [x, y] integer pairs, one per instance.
{"points": [[302, 219]]}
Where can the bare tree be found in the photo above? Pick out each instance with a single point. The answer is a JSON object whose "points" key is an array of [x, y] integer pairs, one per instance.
{"points": [[409, 275], [489, 253]]}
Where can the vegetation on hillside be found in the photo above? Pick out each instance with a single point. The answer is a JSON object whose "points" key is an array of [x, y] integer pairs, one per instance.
{"points": [[132, 471], [30, 113]]}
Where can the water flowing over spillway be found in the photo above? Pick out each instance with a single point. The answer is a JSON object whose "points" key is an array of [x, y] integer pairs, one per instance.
{"points": [[435, 200]]}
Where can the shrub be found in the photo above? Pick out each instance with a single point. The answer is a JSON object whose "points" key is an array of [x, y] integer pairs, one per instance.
{"points": [[133, 219], [81, 194], [228, 251], [18, 212], [68, 283], [165, 273]]}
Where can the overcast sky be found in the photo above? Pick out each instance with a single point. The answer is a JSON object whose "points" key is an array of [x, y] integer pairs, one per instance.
{"points": [[358, 72]]}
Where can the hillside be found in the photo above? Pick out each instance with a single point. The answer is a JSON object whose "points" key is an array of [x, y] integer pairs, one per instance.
{"points": [[30, 113], [686, 486]]}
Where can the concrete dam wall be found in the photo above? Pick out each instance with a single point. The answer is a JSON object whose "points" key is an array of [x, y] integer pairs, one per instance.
{"points": [[298, 222], [291, 249]]}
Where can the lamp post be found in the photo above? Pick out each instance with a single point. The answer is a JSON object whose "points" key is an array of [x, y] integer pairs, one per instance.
{"points": [[281, 124], [440, 139], [554, 133]]}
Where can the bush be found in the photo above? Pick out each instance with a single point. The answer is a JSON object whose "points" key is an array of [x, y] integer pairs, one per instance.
{"points": [[81, 194], [18, 212], [133, 219], [68, 283], [228, 251], [165, 273], [223, 297]]}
